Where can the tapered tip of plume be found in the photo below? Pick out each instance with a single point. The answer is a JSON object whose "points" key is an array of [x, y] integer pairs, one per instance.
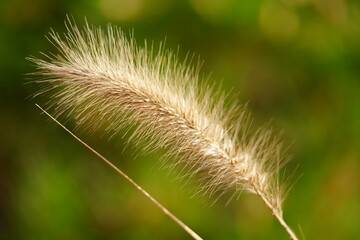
{"points": [[102, 78]]}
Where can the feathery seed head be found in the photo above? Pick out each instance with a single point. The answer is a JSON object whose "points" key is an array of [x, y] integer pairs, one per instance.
{"points": [[101, 77]]}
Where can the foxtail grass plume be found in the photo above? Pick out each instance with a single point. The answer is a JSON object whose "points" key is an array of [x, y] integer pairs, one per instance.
{"points": [[102, 78]]}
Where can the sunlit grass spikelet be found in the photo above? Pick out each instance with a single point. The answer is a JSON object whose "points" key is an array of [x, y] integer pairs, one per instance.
{"points": [[103, 78]]}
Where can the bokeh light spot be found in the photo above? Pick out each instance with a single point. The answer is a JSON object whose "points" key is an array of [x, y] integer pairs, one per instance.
{"points": [[278, 22], [121, 10], [213, 10]]}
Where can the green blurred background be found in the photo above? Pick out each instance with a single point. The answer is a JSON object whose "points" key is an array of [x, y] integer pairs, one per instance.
{"points": [[296, 62]]}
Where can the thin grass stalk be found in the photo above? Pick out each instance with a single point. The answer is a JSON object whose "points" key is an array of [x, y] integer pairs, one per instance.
{"points": [[187, 229]]}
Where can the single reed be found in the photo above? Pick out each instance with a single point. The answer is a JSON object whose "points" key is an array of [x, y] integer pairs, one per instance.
{"points": [[102, 78]]}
